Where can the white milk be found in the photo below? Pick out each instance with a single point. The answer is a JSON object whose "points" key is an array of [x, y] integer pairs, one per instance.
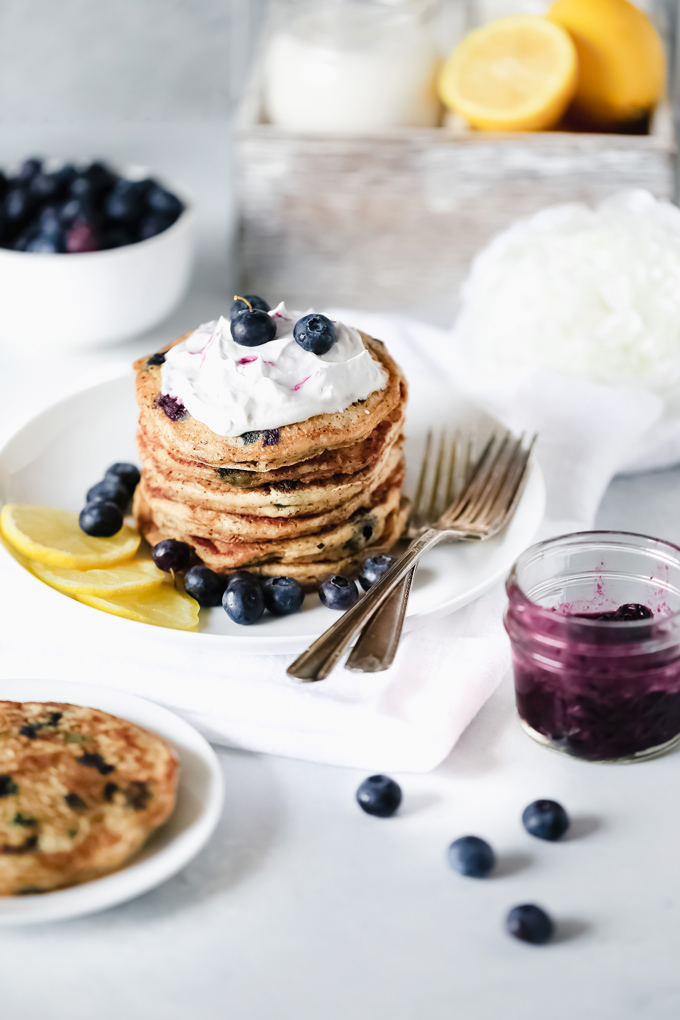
{"points": [[352, 67]]}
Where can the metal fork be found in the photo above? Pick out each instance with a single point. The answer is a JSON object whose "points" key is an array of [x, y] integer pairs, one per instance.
{"points": [[444, 471], [481, 510]]}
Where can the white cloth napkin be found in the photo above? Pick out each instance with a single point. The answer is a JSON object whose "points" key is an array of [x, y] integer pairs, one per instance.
{"points": [[409, 717]]}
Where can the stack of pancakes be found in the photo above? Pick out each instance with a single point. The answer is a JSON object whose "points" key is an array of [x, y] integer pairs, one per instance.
{"points": [[304, 500]]}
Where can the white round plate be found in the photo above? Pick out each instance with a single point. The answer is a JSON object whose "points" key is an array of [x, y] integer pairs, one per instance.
{"points": [[200, 796], [66, 449]]}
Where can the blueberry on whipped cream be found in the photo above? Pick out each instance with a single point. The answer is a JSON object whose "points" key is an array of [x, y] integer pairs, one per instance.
{"points": [[277, 383], [315, 333], [252, 327]]}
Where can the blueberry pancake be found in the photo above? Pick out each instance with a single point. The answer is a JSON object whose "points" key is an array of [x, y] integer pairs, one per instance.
{"points": [[277, 456], [80, 793]]}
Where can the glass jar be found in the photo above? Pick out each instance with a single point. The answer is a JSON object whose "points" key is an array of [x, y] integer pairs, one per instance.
{"points": [[354, 66], [589, 685]]}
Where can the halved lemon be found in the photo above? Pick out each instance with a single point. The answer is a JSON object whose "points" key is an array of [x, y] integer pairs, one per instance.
{"points": [[163, 606], [514, 74], [53, 536], [106, 582]]}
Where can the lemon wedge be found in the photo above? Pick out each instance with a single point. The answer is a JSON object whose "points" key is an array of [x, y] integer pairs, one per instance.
{"points": [[125, 579], [514, 74], [54, 537], [163, 606]]}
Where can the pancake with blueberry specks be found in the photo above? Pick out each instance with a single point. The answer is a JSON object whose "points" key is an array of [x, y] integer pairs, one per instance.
{"points": [[304, 499], [80, 793]]}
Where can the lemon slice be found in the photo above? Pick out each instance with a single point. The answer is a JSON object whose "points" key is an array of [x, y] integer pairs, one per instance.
{"points": [[125, 579], [515, 74], [162, 606], [53, 536]]}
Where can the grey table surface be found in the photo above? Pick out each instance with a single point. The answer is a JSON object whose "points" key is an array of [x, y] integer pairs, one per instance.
{"points": [[301, 905]]}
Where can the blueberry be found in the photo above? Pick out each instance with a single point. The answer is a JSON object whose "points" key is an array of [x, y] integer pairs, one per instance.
{"points": [[116, 237], [339, 592], [530, 924], [76, 209], [315, 333], [49, 220], [633, 611], [545, 819], [153, 224], [125, 474], [162, 201], [472, 856], [102, 519], [253, 328], [171, 555], [242, 574], [283, 595], [373, 569], [205, 586], [123, 203], [172, 407], [379, 796], [45, 187], [45, 243], [110, 490], [243, 601], [29, 168], [19, 204], [156, 359], [240, 304], [23, 240], [81, 238]]}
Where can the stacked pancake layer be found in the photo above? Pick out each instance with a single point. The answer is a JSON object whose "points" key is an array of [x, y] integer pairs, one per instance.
{"points": [[304, 500]]}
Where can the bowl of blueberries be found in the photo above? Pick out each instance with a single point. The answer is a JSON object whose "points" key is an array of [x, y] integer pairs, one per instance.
{"points": [[89, 254]]}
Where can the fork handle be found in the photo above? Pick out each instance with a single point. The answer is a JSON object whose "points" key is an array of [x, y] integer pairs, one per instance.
{"points": [[378, 642], [321, 656]]}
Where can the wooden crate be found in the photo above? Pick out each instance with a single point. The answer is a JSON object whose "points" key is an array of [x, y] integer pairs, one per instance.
{"points": [[391, 222]]}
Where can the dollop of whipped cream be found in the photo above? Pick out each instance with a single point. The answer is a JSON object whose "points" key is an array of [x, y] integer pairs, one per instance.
{"points": [[234, 389]]}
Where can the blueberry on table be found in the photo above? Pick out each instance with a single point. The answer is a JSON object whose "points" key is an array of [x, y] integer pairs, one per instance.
{"points": [[241, 304], [243, 601], [379, 796], [530, 923], [205, 586], [101, 520], [171, 555], [283, 595], [373, 569], [472, 857], [125, 474], [545, 819], [315, 333], [109, 489], [338, 592], [252, 327]]}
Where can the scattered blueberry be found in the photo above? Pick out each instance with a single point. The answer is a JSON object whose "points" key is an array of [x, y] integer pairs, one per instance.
{"points": [[171, 555], [110, 489], [315, 333], [205, 586], [379, 796], [373, 569], [240, 304], [472, 856], [545, 819], [125, 474], [338, 592], [283, 595], [252, 328], [101, 520], [243, 601], [530, 924]]}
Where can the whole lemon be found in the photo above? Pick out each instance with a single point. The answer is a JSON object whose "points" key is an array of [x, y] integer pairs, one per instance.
{"points": [[622, 65]]}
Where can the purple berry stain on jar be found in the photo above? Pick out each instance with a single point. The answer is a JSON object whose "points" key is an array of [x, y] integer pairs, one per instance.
{"points": [[594, 625]]}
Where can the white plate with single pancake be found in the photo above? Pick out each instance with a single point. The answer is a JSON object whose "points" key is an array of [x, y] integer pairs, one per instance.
{"points": [[67, 448], [200, 796]]}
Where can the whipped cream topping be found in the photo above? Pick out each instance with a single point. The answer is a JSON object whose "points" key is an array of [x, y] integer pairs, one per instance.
{"points": [[234, 389]]}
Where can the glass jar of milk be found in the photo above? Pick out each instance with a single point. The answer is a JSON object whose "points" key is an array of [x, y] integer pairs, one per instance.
{"points": [[352, 66]]}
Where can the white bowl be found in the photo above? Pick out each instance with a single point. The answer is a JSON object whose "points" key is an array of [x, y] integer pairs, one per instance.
{"points": [[92, 298]]}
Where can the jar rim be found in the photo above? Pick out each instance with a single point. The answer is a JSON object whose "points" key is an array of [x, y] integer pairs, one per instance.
{"points": [[513, 586]]}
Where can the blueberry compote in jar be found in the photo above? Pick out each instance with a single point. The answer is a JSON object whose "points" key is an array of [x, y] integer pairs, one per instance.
{"points": [[594, 624]]}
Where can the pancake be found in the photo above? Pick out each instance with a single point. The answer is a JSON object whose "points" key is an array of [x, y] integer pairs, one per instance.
{"points": [[271, 448], [80, 792]]}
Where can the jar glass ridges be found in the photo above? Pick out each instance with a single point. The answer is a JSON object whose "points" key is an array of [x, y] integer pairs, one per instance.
{"points": [[597, 690]]}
